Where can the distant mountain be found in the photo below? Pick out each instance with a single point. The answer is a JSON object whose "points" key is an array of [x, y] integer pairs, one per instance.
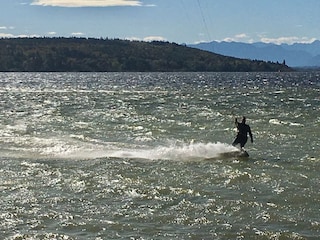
{"points": [[105, 55], [295, 55]]}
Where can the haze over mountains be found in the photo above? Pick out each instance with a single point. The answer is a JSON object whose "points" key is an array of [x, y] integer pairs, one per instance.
{"points": [[295, 55]]}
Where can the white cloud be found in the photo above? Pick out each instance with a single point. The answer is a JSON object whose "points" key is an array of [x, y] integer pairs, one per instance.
{"points": [[288, 40], [133, 39], [9, 35], [77, 34], [229, 39], [154, 38], [241, 37], [52, 33], [6, 35], [86, 3], [148, 39], [6, 28]]}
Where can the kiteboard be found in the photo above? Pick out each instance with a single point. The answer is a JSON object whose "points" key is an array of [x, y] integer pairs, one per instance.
{"points": [[235, 154], [238, 154]]}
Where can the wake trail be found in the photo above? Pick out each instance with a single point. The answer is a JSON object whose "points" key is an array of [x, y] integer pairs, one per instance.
{"points": [[78, 147], [184, 152]]}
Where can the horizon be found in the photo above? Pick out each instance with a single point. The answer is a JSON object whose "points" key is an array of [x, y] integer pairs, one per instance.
{"points": [[179, 21], [152, 40]]}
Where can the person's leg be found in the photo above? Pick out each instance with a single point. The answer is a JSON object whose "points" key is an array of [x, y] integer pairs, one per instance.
{"points": [[243, 142], [236, 141]]}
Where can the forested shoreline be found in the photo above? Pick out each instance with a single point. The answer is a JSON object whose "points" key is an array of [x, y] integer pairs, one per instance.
{"points": [[115, 55]]}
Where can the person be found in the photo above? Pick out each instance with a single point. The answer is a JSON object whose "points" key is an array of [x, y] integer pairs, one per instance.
{"points": [[243, 131]]}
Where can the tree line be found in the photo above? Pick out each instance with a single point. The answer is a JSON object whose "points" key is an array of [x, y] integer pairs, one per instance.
{"points": [[116, 55]]}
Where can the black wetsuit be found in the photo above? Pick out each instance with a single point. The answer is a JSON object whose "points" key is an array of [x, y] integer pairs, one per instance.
{"points": [[242, 136]]}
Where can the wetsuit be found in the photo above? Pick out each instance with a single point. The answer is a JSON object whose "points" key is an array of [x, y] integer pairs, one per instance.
{"points": [[242, 136]]}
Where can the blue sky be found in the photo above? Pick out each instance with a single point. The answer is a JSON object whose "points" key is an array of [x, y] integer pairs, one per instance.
{"points": [[180, 21]]}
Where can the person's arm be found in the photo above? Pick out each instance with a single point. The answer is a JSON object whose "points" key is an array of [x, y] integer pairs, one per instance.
{"points": [[250, 134]]}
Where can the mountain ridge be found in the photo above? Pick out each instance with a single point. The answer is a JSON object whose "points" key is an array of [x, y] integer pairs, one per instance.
{"points": [[294, 55]]}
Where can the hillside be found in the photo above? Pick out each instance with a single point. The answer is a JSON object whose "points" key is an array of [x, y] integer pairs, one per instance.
{"points": [[104, 55], [295, 55]]}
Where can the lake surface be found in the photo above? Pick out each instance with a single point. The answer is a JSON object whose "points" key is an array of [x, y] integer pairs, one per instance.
{"points": [[140, 156]]}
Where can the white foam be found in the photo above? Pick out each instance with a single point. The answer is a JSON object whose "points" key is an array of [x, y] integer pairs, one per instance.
{"points": [[275, 121], [279, 122], [183, 152], [81, 147]]}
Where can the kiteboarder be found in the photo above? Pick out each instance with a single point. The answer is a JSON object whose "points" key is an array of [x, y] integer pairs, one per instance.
{"points": [[243, 130]]}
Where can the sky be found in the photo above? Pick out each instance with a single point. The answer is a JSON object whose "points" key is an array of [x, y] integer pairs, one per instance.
{"points": [[179, 21]]}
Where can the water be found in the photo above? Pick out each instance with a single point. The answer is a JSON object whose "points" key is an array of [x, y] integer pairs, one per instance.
{"points": [[138, 156]]}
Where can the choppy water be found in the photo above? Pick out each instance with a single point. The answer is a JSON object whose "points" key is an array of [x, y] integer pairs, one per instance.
{"points": [[125, 156]]}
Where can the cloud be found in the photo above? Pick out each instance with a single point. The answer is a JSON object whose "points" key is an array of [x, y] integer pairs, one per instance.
{"points": [[287, 40], [86, 3], [77, 34], [154, 38], [6, 35], [241, 37], [9, 35], [6, 28], [52, 33], [148, 39]]}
